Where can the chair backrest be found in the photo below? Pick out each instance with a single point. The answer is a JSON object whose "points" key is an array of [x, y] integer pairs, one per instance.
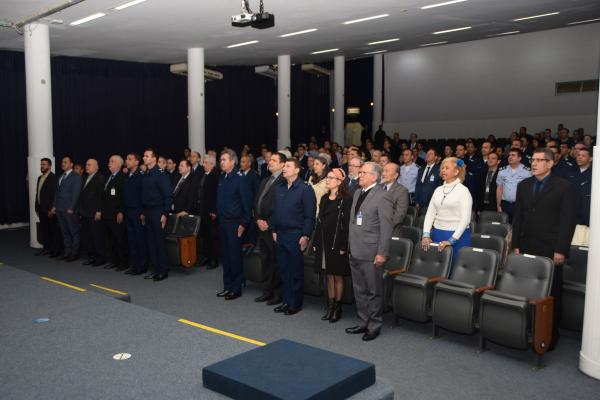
{"points": [[493, 216], [494, 228], [400, 253], [526, 275], [491, 242], [409, 220], [188, 225], [412, 211], [476, 266], [171, 224], [422, 211], [420, 221], [575, 268], [413, 233], [431, 262]]}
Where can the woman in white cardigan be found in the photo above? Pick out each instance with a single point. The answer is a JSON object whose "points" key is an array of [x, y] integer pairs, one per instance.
{"points": [[448, 217]]}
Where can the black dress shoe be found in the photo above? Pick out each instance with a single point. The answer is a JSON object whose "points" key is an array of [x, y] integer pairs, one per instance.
{"points": [[356, 330], [41, 253], [160, 277], [110, 266], [367, 337], [121, 268], [274, 301], [263, 298], [139, 272], [281, 308], [223, 293], [232, 296], [130, 271], [62, 257], [212, 264], [88, 262], [98, 263], [72, 257], [292, 311], [150, 275], [54, 255]]}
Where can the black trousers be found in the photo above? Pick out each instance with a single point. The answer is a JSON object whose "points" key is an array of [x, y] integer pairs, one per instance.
{"points": [[116, 241], [50, 235], [209, 240], [273, 284], [93, 239]]}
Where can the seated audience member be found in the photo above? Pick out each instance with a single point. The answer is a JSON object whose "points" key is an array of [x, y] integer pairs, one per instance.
{"points": [[90, 213], [384, 160], [44, 197], [331, 240], [544, 222], [508, 179], [448, 217], [376, 156], [428, 179], [486, 198], [66, 201], [448, 151], [113, 215], [185, 190], [408, 174], [398, 194]]}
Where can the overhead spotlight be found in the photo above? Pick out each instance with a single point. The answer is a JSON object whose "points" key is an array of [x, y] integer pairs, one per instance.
{"points": [[260, 20]]}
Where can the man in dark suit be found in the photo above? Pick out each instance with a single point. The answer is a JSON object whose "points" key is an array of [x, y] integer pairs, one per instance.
{"points": [[369, 241], [171, 170], [44, 197], [264, 170], [66, 200], [544, 221], [185, 190], [252, 181], [302, 156], [196, 161], [263, 209], [428, 179], [354, 165], [398, 194], [206, 207], [486, 198], [306, 173], [113, 209], [136, 233], [90, 204]]}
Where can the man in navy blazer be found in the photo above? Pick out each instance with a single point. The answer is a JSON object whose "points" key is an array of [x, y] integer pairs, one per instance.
{"points": [[428, 179], [66, 200]]}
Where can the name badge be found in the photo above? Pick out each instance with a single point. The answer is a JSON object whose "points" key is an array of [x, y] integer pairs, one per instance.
{"points": [[431, 178], [359, 218], [487, 189], [113, 192]]}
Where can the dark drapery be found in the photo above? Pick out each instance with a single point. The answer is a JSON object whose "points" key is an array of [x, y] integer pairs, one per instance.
{"points": [[310, 105], [359, 87]]}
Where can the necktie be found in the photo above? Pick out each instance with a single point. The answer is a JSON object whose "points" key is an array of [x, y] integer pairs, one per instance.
{"points": [[108, 181], [176, 190], [360, 200], [264, 192], [425, 174], [536, 188], [62, 178]]}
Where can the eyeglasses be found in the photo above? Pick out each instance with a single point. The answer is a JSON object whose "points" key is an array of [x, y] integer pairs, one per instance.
{"points": [[365, 172], [539, 160]]}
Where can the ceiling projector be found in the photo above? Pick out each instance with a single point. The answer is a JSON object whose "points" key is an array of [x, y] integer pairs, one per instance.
{"points": [[260, 20]]}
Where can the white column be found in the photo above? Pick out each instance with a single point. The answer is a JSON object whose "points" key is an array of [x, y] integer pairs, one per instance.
{"points": [[377, 91], [283, 101], [39, 111], [589, 357], [195, 67], [338, 115], [331, 105]]}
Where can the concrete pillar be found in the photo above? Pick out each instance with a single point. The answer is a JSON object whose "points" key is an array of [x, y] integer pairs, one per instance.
{"points": [[195, 67], [589, 356], [338, 115], [39, 111], [284, 73], [377, 91]]}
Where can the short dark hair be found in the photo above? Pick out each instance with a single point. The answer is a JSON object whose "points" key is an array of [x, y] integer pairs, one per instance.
{"points": [[495, 154], [187, 148], [435, 151], [136, 156], [151, 150], [589, 150], [189, 164], [295, 161], [282, 157], [548, 154], [567, 143], [69, 157], [49, 161], [518, 151]]}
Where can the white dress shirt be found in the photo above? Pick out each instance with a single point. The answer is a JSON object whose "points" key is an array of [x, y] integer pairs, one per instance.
{"points": [[449, 209]]}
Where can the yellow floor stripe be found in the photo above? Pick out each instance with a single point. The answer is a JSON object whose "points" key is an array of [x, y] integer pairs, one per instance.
{"points": [[220, 332], [108, 289], [64, 284]]}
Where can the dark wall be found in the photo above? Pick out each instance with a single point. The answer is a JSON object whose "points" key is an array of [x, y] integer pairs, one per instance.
{"points": [[359, 87]]}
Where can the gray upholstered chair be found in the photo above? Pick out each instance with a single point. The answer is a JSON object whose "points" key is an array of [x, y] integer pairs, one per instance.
{"points": [[493, 228], [493, 216], [492, 242], [412, 211], [456, 301], [413, 288], [411, 233], [518, 314], [409, 220], [400, 253], [573, 294]]}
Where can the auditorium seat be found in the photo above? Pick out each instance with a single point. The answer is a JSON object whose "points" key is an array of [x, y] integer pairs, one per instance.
{"points": [[493, 228], [255, 266], [181, 240], [456, 301], [400, 253], [412, 211], [409, 220], [493, 216], [573, 294], [313, 280], [420, 221], [492, 242], [518, 314], [422, 211], [413, 289], [413, 233]]}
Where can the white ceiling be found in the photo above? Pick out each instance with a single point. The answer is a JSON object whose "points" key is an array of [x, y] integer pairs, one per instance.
{"points": [[162, 30]]}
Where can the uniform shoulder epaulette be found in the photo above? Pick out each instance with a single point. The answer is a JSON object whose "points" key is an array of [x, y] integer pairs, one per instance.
{"points": [[239, 173], [503, 168], [526, 168]]}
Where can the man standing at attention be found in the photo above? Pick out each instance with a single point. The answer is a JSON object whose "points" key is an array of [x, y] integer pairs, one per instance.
{"points": [[66, 200]]}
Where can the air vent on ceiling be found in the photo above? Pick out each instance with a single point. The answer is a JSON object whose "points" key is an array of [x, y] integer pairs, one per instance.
{"points": [[577, 86]]}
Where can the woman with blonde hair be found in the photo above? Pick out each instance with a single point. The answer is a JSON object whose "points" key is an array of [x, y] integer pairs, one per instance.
{"points": [[449, 213]]}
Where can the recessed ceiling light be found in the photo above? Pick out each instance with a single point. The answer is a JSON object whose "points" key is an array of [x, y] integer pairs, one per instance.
{"points": [[503, 33], [87, 19], [447, 3], [432, 44], [536, 16], [375, 52], [584, 22], [366, 19], [324, 51], [464, 28], [242, 44], [383, 41], [299, 32], [128, 4]]}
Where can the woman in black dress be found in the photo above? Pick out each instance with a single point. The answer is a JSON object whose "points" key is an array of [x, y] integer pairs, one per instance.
{"points": [[331, 240]]}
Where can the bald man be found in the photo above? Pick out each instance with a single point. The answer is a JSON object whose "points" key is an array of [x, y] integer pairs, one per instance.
{"points": [[113, 215], [90, 204]]}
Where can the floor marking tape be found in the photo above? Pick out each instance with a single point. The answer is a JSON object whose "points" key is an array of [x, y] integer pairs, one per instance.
{"points": [[64, 284], [224, 333], [108, 289]]}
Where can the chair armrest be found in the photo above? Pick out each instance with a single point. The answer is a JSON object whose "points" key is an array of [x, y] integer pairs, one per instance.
{"points": [[436, 279], [483, 289], [395, 272], [542, 310]]}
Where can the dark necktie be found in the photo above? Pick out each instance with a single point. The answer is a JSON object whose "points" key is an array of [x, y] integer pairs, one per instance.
{"points": [[108, 181], [178, 187], [360, 200], [536, 188], [425, 174], [264, 192]]}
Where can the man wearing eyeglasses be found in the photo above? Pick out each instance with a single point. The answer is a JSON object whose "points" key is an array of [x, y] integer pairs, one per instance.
{"points": [[544, 221]]}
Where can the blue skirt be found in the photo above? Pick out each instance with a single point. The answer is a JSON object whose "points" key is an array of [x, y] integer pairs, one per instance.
{"points": [[438, 235]]}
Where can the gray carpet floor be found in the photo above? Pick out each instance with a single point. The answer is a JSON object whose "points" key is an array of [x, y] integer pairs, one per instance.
{"points": [[417, 367]]}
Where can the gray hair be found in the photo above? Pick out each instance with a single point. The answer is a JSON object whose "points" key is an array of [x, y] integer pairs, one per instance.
{"points": [[360, 161], [375, 168], [232, 155], [119, 159], [211, 159]]}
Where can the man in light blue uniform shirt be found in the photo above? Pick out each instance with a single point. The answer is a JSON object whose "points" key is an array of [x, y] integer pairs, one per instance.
{"points": [[408, 174], [507, 181]]}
